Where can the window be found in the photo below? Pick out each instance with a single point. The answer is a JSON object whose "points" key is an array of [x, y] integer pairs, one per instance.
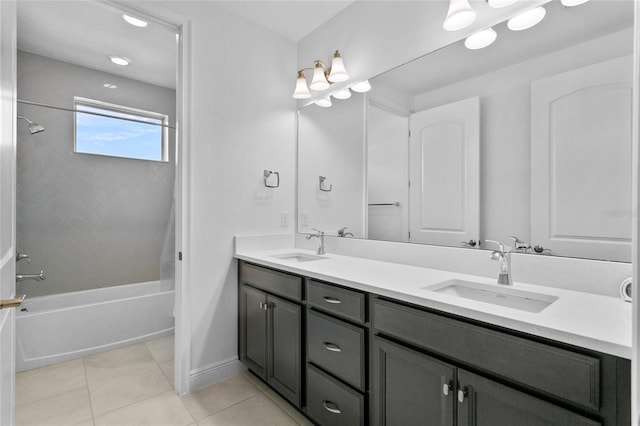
{"points": [[119, 131]]}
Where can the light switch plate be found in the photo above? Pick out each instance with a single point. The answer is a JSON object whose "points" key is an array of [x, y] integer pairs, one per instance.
{"points": [[284, 219], [304, 218]]}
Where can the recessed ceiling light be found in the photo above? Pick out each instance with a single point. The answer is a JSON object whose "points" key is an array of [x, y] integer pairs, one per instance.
{"points": [[120, 60], [110, 86], [481, 39], [135, 21], [527, 19]]}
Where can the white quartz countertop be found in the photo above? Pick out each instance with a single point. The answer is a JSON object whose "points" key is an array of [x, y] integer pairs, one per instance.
{"points": [[592, 321]]}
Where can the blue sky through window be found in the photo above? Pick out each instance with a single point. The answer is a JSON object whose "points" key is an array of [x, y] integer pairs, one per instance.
{"points": [[120, 138]]}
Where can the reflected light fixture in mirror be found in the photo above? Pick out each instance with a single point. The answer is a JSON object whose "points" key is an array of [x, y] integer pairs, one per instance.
{"points": [[459, 16], [361, 87], [135, 21], [120, 60], [500, 3], [571, 3], [342, 94], [324, 102], [527, 19], [481, 39]]}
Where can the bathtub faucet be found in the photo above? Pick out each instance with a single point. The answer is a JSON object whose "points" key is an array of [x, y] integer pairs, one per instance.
{"points": [[35, 277]]}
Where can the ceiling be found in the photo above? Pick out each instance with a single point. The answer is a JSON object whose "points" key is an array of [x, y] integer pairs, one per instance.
{"points": [[86, 32], [291, 19]]}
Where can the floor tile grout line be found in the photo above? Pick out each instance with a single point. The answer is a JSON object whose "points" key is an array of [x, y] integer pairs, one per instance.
{"points": [[86, 381], [225, 408]]}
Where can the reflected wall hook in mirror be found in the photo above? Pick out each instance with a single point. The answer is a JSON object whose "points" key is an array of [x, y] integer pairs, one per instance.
{"points": [[322, 187], [267, 175]]}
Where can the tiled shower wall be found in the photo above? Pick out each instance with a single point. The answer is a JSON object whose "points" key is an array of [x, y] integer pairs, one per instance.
{"points": [[87, 221]]}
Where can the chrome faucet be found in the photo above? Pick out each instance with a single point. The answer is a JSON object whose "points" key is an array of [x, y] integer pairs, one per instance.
{"points": [[21, 256], [35, 277], [342, 233], [521, 246], [320, 237], [504, 257]]}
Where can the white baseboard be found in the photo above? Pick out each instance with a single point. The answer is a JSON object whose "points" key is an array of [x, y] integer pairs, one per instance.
{"points": [[216, 372]]}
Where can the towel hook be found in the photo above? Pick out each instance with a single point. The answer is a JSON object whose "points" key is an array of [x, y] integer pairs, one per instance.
{"points": [[322, 188], [267, 175]]}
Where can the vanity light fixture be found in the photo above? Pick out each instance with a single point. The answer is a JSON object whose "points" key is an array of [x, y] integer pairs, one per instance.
{"points": [[136, 22], [342, 94], [324, 102], [459, 16], [361, 87], [571, 3], [322, 76], [481, 39], [500, 3], [120, 60], [527, 19]]}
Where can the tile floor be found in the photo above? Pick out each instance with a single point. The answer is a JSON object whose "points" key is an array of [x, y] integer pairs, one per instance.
{"points": [[133, 385]]}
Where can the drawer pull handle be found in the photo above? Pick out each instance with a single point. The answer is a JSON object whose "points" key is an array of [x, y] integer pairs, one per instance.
{"points": [[331, 407], [332, 347], [446, 388], [264, 306], [462, 394], [333, 300]]}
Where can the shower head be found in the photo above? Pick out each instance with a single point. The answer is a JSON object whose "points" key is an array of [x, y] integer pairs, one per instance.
{"points": [[33, 127]]}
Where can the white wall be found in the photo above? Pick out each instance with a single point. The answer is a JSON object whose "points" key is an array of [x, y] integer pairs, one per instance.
{"points": [[331, 144], [243, 121]]}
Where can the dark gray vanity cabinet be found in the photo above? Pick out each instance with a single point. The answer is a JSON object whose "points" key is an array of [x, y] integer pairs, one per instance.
{"points": [[337, 355], [433, 369], [271, 328]]}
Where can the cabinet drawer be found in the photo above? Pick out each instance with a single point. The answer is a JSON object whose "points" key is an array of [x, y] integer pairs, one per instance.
{"points": [[347, 303], [337, 347], [560, 372], [330, 403], [275, 282]]}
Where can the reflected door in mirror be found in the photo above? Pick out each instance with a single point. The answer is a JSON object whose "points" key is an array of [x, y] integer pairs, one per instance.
{"points": [[444, 166]]}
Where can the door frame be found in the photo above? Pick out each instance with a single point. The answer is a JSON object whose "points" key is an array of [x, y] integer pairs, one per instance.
{"points": [[181, 24], [635, 221]]}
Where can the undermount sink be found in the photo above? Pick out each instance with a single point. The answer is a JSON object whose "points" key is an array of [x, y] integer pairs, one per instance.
{"points": [[488, 293], [299, 257]]}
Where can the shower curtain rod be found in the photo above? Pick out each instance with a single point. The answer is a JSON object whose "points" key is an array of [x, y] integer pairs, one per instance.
{"points": [[40, 104]]}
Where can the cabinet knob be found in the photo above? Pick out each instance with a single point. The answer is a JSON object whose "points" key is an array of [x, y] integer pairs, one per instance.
{"points": [[462, 394], [446, 388], [264, 306], [333, 300], [332, 347], [331, 407]]}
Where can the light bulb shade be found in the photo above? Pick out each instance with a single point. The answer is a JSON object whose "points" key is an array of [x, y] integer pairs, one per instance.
{"points": [[302, 91], [319, 81], [527, 19], [325, 103], [500, 3], [571, 3], [342, 94], [338, 71], [361, 87], [460, 15], [481, 39]]}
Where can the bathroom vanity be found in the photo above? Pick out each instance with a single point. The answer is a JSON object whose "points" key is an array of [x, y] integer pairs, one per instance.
{"points": [[347, 350]]}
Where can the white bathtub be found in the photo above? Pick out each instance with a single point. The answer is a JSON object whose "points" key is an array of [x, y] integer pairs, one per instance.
{"points": [[64, 326]]}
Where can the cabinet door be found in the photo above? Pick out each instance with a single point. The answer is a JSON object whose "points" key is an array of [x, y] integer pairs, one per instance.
{"points": [[253, 330], [284, 372], [483, 402], [410, 388]]}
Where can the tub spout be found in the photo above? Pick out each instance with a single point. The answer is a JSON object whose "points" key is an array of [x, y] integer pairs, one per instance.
{"points": [[35, 277]]}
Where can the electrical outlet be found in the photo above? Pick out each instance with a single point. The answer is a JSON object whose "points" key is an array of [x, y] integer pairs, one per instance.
{"points": [[284, 219], [304, 218]]}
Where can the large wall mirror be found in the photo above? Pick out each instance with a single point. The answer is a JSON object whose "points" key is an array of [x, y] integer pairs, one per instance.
{"points": [[529, 137]]}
